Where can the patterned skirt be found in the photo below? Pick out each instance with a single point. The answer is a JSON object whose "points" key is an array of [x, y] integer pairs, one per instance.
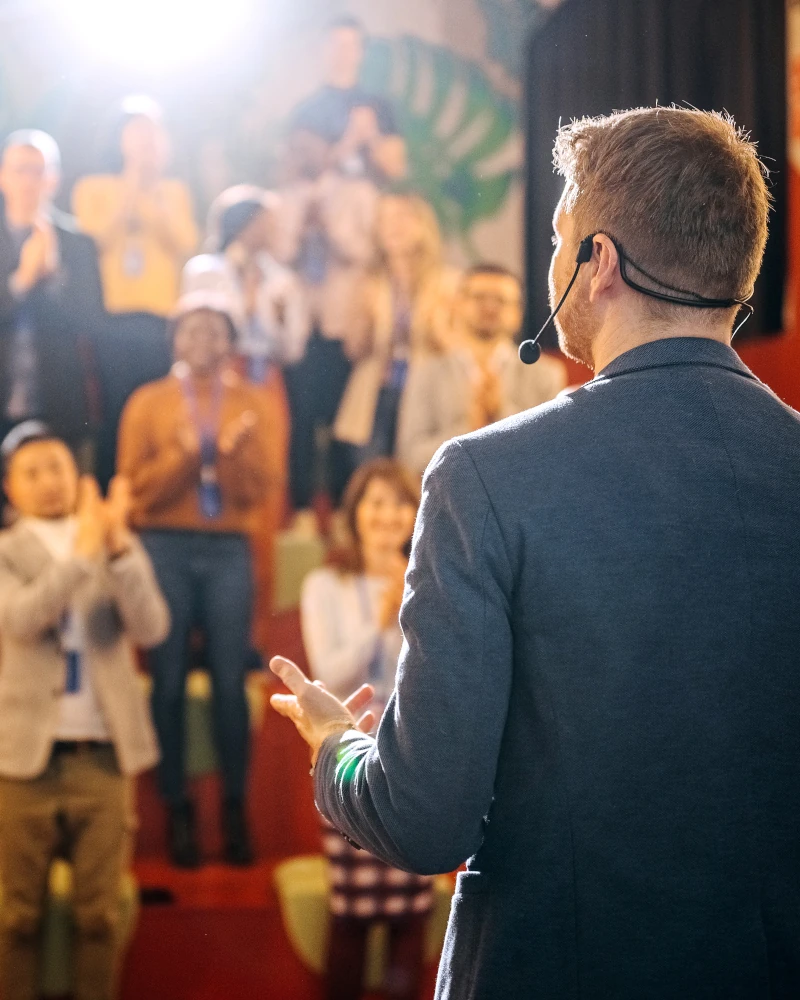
{"points": [[365, 888]]}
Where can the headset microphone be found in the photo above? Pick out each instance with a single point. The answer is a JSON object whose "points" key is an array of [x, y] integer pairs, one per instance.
{"points": [[529, 350]]}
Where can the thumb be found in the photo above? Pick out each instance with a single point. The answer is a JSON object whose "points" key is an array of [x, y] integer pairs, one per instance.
{"points": [[286, 705]]}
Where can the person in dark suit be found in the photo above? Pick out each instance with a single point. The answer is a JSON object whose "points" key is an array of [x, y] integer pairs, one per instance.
{"points": [[598, 696], [51, 306]]}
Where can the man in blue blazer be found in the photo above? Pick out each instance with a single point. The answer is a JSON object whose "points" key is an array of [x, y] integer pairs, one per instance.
{"points": [[598, 700]]}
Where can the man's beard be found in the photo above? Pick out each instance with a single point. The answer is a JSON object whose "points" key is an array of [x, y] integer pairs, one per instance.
{"points": [[575, 326]]}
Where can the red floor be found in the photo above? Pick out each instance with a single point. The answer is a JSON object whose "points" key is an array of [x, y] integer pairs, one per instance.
{"points": [[216, 934]]}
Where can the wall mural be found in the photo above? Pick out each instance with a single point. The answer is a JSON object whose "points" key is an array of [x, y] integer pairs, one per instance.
{"points": [[454, 122]]}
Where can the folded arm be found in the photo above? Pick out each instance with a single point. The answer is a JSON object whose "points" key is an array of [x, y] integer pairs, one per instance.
{"points": [[418, 795]]}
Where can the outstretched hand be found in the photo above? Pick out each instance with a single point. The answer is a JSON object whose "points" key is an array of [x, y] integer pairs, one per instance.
{"points": [[314, 710]]}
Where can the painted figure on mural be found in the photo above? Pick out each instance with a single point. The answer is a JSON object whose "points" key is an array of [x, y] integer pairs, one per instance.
{"points": [[359, 127]]}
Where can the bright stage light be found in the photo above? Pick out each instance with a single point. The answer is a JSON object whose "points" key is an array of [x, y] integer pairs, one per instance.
{"points": [[155, 35]]}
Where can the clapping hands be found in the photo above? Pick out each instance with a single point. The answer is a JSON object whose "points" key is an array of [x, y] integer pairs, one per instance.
{"points": [[103, 524]]}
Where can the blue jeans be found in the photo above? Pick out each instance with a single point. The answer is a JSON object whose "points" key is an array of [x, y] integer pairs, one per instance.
{"points": [[206, 579]]}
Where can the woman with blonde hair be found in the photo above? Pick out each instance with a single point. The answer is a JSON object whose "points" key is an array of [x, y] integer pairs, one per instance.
{"points": [[352, 636], [406, 307]]}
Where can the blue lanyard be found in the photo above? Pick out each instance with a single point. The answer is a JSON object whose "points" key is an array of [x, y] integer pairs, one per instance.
{"points": [[208, 493]]}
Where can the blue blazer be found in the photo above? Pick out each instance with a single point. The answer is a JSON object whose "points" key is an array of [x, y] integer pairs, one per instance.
{"points": [[598, 699]]}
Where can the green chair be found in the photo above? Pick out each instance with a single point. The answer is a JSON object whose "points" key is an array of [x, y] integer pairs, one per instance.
{"points": [[201, 754], [296, 555], [56, 966], [302, 886]]}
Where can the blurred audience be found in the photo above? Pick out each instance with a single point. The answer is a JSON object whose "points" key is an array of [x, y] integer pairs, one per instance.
{"points": [[359, 128], [199, 451], [271, 310], [326, 232], [481, 380], [144, 228], [272, 319], [406, 309], [141, 220], [51, 309], [76, 590], [352, 636], [343, 146]]}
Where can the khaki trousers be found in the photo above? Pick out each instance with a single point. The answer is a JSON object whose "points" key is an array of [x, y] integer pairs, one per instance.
{"points": [[80, 808]]}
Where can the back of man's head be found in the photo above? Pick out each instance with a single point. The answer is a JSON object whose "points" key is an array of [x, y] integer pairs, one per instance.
{"points": [[682, 191]]}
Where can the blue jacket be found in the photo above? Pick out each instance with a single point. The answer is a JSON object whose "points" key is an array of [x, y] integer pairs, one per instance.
{"points": [[598, 699]]}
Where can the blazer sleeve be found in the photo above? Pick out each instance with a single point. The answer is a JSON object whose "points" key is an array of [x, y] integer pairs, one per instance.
{"points": [[420, 430], [28, 610], [452, 693]]}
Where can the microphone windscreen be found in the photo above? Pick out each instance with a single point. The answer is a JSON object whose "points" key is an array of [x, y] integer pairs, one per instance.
{"points": [[529, 352]]}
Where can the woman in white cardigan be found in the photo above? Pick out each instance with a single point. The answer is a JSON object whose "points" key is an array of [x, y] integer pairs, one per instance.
{"points": [[352, 636]]}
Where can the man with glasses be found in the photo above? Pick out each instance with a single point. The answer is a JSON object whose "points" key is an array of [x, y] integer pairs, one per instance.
{"points": [[482, 380]]}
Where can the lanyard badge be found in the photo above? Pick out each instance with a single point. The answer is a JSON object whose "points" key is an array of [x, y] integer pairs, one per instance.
{"points": [[209, 494]]}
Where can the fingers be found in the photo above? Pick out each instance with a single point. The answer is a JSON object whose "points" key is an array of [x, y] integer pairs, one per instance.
{"points": [[88, 492], [359, 699], [291, 675], [119, 490], [367, 722]]}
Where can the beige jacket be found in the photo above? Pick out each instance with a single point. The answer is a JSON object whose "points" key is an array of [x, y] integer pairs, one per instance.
{"points": [[121, 605], [438, 392], [370, 344]]}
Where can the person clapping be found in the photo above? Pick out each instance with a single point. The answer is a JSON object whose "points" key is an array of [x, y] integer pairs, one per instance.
{"points": [[202, 458], [77, 592]]}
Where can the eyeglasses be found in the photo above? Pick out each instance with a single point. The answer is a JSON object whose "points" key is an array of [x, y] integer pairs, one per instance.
{"points": [[491, 297]]}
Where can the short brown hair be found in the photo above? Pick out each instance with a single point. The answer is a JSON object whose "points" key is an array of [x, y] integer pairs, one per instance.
{"points": [[683, 191], [348, 557]]}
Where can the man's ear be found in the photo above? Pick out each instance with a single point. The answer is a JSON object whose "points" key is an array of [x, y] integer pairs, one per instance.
{"points": [[605, 267]]}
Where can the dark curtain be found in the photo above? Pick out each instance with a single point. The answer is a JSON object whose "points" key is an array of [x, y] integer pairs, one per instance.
{"points": [[596, 56]]}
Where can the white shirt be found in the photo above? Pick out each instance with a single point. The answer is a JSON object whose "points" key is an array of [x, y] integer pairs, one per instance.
{"points": [[80, 714], [344, 644]]}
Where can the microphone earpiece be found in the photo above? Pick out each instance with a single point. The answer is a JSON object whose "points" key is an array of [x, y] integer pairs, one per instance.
{"points": [[529, 350], [585, 250]]}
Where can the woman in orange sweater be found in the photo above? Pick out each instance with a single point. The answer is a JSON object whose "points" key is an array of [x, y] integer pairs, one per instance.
{"points": [[200, 455]]}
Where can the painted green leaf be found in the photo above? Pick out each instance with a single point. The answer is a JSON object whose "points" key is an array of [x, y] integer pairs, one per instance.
{"points": [[455, 123]]}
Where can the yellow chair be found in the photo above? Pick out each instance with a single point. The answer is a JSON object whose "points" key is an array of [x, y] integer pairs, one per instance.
{"points": [[302, 885]]}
